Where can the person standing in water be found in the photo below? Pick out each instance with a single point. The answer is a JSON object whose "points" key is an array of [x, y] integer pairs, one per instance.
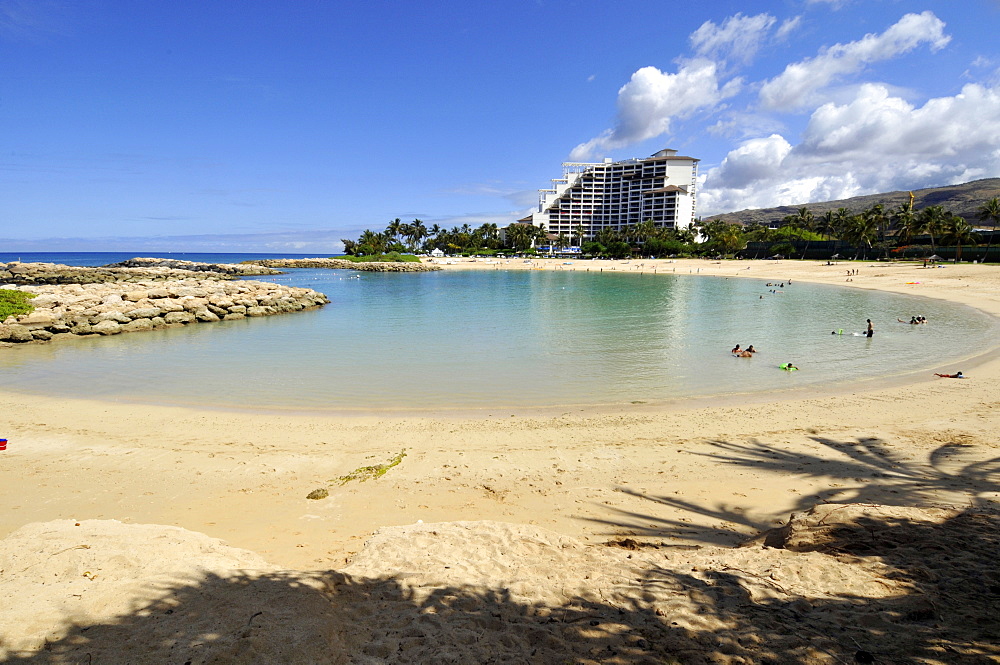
{"points": [[871, 329]]}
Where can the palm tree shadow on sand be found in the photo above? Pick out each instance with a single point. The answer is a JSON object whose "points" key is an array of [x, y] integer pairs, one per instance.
{"points": [[935, 577], [866, 471]]}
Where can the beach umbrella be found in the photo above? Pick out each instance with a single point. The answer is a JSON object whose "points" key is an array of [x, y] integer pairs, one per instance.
{"points": [[835, 256], [935, 257]]}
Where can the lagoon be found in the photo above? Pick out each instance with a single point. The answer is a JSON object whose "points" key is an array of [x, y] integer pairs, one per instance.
{"points": [[496, 338]]}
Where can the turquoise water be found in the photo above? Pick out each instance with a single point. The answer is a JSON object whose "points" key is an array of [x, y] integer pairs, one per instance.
{"points": [[470, 339]]}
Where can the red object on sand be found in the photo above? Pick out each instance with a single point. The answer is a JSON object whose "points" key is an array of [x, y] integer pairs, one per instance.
{"points": [[3, 444]]}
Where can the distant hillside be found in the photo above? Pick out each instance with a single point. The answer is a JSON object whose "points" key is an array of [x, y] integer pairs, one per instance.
{"points": [[964, 200]]}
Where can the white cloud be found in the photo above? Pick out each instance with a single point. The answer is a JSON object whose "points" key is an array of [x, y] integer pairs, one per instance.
{"points": [[874, 143], [738, 38], [787, 27], [652, 99], [794, 88]]}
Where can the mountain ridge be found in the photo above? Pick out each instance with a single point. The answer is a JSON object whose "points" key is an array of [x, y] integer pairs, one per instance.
{"points": [[964, 200]]}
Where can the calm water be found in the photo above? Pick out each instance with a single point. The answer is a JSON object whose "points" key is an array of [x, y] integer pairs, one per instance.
{"points": [[518, 338]]}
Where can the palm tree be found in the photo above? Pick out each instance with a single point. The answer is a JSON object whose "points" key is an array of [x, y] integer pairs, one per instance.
{"points": [[843, 217], [804, 220], [731, 239], [417, 232], [990, 212], [957, 231], [579, 235], [685, 235], [519, 236], [489, 233], [877, 219], [932, 220], [394, 228], [860, 231], [908, 226], [371, 242], [827, 224]]}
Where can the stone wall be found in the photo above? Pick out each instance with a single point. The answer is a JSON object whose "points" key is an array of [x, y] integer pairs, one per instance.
{"points": [[54, 273], [246, 269], [109, 308]]}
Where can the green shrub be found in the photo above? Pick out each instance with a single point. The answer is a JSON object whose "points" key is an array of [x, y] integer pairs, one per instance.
{"points": [[14, 302]]}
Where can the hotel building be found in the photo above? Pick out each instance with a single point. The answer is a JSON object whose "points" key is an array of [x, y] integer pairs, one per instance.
{"points": [[614, 195]]}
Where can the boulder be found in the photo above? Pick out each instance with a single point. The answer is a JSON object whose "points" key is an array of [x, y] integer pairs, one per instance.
{"points": [[107, 327], [194, 304], [37, 318], [177, 317], [137, 325], [142, 313], [15, 333], [205, 315], [114, 315]]}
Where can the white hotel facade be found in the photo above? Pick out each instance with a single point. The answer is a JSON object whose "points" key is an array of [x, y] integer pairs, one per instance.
{"points": [[596, 196]]}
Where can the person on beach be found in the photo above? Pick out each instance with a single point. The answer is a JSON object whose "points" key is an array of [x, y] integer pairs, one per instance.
{"points": [[912, 321], [737, 350], [788, 367], [956, 375], [750, 349], [871, 329]]}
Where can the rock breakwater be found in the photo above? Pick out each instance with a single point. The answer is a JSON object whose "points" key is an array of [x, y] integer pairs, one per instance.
{"points": [[245, 269], [109, 308], [54, 273], [342, 264]]}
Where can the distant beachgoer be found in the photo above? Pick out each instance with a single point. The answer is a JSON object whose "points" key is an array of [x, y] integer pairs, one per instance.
{"points": [[912, 321], [788, 367], [871, 329], [737, 349], [750, 349], [744, 354], [956, 375]]}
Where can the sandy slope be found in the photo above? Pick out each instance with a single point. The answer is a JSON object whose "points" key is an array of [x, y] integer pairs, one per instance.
{"points": [[688, 476]]}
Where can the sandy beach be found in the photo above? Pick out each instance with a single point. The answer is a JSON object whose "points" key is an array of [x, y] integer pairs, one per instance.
{"points": [[489, 538]]}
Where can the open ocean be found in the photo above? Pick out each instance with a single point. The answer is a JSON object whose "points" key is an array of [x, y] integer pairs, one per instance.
{"points": [[489, 339]]}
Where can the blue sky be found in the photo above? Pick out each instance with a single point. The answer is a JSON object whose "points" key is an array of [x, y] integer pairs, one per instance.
{"points": [[284, 127]]}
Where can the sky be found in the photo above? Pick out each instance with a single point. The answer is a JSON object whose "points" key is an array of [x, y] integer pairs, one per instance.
{"points": [[256, 126]]}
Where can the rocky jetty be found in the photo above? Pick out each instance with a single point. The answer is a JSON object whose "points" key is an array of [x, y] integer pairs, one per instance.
{"points": [[54, 273], [108, 308], [342, 264], [245, 269]]}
